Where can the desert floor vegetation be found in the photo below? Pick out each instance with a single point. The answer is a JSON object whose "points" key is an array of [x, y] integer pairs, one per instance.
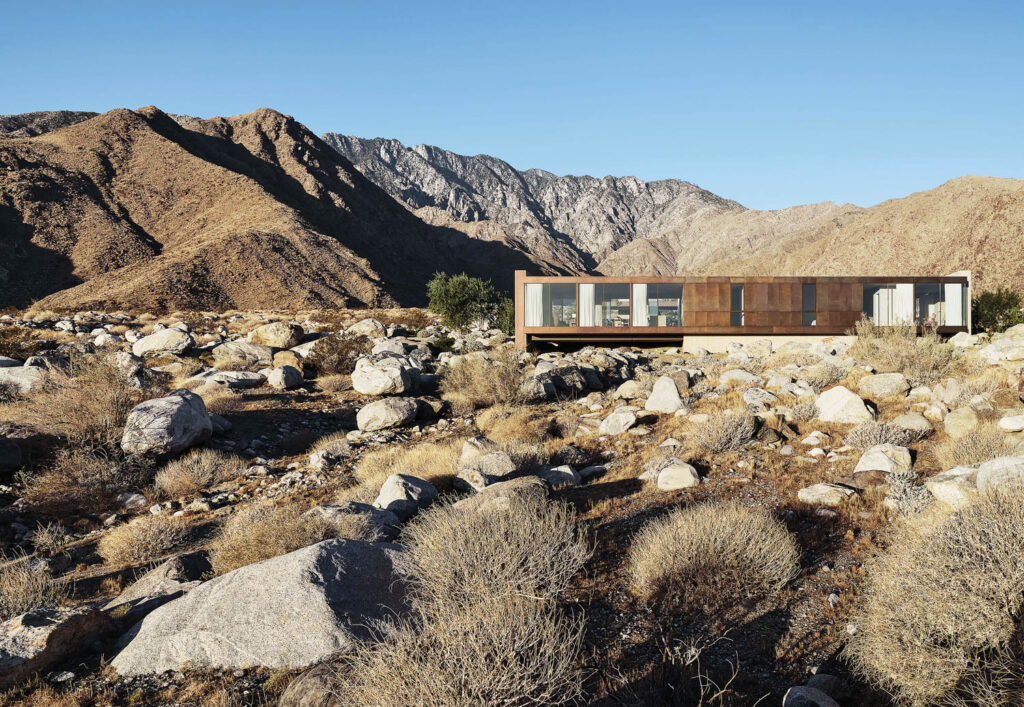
{"points": [[144, 539], [475, 382], [706, 554], [25, 586], [84, 481], [197, 470], [434, 461], [939, 619], [985, 442], [724, 432], [924, 359]]}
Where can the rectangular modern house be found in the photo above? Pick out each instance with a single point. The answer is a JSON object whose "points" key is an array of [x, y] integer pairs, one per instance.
{"points": [[705, 311]]}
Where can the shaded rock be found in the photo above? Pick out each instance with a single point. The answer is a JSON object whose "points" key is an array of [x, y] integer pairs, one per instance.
{"points": [[403, 495], [390, 412], [956, 487], [330, 456], [758, 396], [474, 447], [497, 496], [802, 696], [230, 379], [24, 379], [560, 476], [38, 640], [10, 455], [243, 354], [316, 687], [166, 425], [285, 612], [915, 422], [160, 585]]}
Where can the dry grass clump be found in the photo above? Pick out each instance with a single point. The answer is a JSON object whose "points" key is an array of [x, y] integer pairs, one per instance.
{"points": [[477, 382], [503, 423], [51, 538], [337, 353], [507, 651], [260, 532], [941, 611], [532, 549], [868, 434], [823, 375], [87, 405], [711, 553], [84, 481], [18, 342], [725, 432], [432, 461], [985, 442], [142, 540], [803, 412], [923, 359], [25, 587], [197, 470]]}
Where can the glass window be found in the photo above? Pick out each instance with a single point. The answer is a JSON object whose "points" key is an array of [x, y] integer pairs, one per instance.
{"points": [[665, 304], [611, 304], [889, 304], [928, 305], [560, 309], [736, 306], [810, 307]]}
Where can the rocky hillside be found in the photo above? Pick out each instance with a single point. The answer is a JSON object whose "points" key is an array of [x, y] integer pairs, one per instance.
{"points": [[589, 217], [39, 122], [970, 223], [136, 209]]}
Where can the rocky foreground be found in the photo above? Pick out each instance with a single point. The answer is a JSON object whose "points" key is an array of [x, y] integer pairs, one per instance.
{"points": [[233, 507]]}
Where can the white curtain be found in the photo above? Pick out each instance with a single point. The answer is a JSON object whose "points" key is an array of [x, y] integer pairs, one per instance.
{"points": [[903, 303], [587, 304], [534, 304], [881, 303], [954, 296], [640, 304]]}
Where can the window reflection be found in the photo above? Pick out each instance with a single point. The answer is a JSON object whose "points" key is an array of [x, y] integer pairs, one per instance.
{"points": [[665, 304], [611, 304], [561, 305]]}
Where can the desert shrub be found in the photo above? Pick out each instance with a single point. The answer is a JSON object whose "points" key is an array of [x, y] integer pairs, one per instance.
{"points": [[25, 587], [461, 299], [985, 442], [726, 431], [87, 405], [413, 319], [868, 434], [337, 353], [85, 481], [804, 412], [923, 359], [503, 423], [51, 538], [508, 651], [710, 553], [505, 315], [997, 310], [197, 470], [144, 539], [432, 461], [442, 343], [260, 532], [941, 608], [18, 342], [477, 382], [823, 375], [531, 548]]}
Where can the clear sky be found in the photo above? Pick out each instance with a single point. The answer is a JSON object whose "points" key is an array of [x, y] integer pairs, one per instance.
{"points": [[769, 103]]}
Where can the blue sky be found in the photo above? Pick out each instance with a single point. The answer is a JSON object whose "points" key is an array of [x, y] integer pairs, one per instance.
{"points": [[768, 103]]}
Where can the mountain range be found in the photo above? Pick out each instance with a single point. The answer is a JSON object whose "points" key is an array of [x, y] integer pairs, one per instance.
{"points": [[149, 210]]}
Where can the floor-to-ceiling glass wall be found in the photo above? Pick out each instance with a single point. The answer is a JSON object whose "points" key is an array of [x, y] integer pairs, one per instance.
{"points": [[611, 304], [665, 304], [550, 305]]}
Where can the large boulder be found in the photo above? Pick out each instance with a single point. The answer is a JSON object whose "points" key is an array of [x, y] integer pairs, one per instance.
{"points": [[162, 584], [960, 423], [230, 379], [499, 496], [166, 425], [914, 422], [163, 343], [678, 475], [385, 377], [883, 385], [243, 354], [276, 335], [840, 404], [956, 488], [285, 612], [389, 412], [24, 379], [404, 495], [1012, 423], [664, 396], [999, 472], [825, 494], [38, 640], [284, 377]]}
